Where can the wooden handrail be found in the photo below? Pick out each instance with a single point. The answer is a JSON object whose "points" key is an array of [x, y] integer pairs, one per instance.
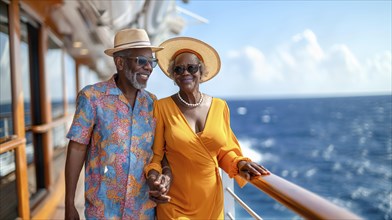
{"points": [[303, 202], [46, 127], [12, 144]]}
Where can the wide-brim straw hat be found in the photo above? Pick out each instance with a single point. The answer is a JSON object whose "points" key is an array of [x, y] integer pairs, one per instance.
{"points": [[174, 46], [130, 39]]}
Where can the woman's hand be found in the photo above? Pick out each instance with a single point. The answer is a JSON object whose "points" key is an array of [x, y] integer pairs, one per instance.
{"points": [[249, 170], [159, 186]]}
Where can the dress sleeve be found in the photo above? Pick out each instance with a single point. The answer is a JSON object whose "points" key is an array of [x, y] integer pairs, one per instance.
{"points": [[231, 154], [84, 119], [159, 142]]}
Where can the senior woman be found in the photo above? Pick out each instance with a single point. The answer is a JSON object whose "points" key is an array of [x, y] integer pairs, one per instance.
{"points": [[193, 130]]}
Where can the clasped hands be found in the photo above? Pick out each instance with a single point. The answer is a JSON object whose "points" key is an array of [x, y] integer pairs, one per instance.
{"points": [[159, 185], [251, 169]]}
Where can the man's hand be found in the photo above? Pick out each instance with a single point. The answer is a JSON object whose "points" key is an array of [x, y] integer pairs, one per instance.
{"points": [[76, 155], [158, 197], [159, 186]]}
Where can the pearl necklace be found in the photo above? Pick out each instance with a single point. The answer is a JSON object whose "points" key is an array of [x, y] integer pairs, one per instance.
{"points": [[190, 104]]}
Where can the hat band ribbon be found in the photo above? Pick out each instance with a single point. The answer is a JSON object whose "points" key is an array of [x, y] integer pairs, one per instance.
{"points": [[137, 43], [187, 51]]}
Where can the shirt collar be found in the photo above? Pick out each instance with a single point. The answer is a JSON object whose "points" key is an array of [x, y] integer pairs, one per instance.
{"points": [[112, 89]]}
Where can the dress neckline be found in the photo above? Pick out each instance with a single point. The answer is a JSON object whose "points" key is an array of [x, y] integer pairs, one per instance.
{"points": [[186, 121]]}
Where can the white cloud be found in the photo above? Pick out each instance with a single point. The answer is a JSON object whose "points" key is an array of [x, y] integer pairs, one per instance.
{"points": [[380, 65], [305, 45], [300, 67], [253, 65]]}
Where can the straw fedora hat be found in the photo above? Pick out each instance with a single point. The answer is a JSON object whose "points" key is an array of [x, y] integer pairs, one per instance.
{"points": [[175, 46], [129, 39]]}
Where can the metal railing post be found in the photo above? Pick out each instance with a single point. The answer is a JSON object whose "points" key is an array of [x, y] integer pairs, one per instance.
{"points": [[229, 204]]}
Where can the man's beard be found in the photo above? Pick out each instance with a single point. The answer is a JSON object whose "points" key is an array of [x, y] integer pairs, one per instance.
{"points": [[132, 79]]}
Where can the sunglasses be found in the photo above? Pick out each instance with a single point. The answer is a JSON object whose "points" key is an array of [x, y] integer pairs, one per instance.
{"points": [[191, 68], [142, 61]]}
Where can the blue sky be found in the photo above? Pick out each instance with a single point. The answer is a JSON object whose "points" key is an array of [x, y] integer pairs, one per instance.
{"points": [[282, 49]]}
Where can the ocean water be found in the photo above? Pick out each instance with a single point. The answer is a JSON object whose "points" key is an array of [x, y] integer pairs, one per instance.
{"points": [[339, 148]]}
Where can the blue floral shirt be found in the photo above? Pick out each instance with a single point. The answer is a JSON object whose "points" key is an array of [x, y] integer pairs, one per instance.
{"points": [[119, 141]]}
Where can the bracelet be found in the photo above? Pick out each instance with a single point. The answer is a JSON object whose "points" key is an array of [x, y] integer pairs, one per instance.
{"points": [[152, 175]]}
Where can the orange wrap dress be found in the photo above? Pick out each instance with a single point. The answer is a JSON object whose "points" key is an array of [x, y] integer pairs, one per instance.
{"points": [[196, 190]]}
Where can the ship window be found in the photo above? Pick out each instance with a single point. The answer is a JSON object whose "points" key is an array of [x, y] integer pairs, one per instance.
{"points": [[70, 83], [25, 68], [32, 109], [59, 140], [83, 76], [8, 199], [6, 125], [59, 149], [87, 76], [55, 77]]}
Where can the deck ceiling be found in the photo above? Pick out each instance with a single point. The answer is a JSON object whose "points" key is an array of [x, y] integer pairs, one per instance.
{"points": [[94, 23]]}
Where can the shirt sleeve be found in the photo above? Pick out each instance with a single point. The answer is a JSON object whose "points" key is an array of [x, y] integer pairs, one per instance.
{"points": [[83, 121], [231, 154], [159, 142]]}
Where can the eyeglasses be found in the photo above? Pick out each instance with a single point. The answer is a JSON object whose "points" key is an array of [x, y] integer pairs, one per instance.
{"points": [[142, 61], [191, 68]]}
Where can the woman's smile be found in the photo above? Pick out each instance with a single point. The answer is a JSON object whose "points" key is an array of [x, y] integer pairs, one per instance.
{"points": [[186, 80]]}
